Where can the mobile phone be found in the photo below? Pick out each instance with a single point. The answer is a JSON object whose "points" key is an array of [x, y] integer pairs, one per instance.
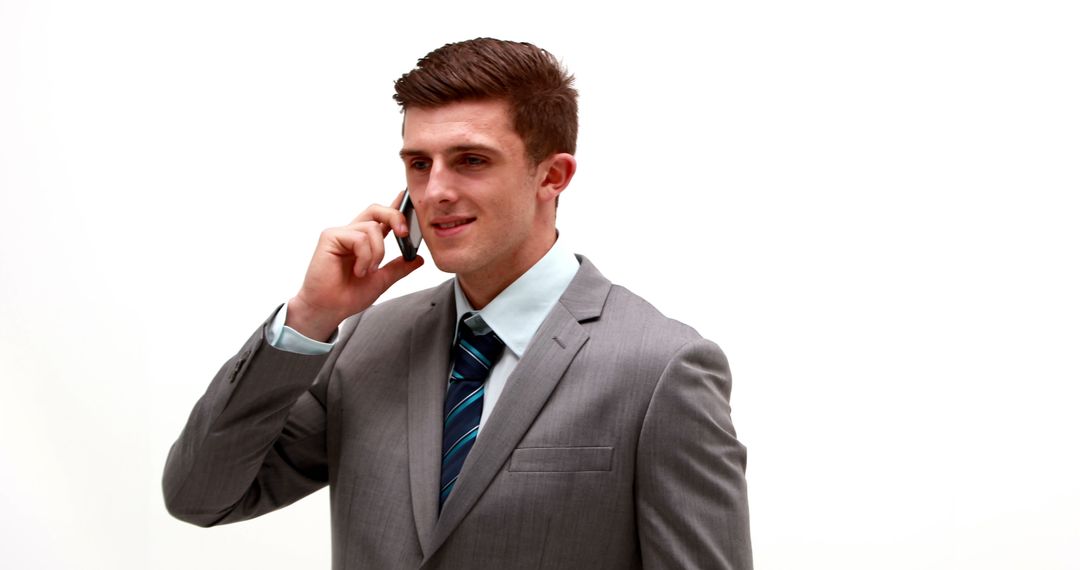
{"points": [[410, 244]]}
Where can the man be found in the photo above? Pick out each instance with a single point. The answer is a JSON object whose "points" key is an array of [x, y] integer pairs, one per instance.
{"points": [[526, 414]]}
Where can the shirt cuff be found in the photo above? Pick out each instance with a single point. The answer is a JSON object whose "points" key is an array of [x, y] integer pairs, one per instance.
{"points": [[288, 339]]}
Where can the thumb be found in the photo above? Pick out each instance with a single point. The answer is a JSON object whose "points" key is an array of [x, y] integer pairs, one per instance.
{"points": [[393, 272]]}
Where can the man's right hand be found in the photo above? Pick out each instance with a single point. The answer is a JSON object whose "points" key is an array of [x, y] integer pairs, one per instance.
{"points": [[344, 276]]}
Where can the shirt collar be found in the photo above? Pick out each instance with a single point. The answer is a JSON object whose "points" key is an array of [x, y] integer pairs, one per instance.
{"points": [[517, 312]]}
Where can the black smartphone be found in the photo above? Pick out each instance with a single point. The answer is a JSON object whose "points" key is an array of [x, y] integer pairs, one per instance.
{"points": [[410, 244]]}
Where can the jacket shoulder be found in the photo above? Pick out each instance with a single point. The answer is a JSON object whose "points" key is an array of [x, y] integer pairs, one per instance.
{"points": [[635, 317], [410, 305]]}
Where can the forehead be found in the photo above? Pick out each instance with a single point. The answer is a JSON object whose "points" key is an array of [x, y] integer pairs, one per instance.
{"points": [[464, 123]]}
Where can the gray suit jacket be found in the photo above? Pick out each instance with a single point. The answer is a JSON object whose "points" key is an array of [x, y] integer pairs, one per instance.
{"points": [[610, 447]]}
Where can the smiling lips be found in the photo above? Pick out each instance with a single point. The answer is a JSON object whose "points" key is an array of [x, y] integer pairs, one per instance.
{"points": [[449, 227]]}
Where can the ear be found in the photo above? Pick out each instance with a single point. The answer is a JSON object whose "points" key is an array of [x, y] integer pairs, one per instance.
{"points": [[555, 173]]}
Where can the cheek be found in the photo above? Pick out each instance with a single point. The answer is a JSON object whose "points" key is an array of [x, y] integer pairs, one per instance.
{"points": [[419, 207]]}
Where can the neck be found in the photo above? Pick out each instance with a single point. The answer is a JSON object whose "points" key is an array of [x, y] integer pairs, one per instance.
{"points": [[482, 286]]}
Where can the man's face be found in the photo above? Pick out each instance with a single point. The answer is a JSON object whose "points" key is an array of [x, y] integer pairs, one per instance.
{"points": [[475, 191]]}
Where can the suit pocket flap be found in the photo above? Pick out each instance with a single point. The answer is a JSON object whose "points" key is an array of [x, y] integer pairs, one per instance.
{"points": [[554, 459]]}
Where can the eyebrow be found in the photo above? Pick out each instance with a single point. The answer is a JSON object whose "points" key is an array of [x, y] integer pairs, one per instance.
{"points": [[409, 152]]}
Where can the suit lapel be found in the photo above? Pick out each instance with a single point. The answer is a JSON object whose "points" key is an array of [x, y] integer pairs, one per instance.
{"points": [[553, 348], [429, 367]]}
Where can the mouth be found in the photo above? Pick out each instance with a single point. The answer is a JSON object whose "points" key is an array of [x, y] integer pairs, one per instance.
{"points": [[446, 227], [449, 225]]}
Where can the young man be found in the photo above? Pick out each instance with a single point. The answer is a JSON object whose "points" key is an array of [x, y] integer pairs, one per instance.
{"points": [[526, 414]]}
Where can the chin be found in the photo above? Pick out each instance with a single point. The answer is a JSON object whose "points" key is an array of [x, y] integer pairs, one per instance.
{"points": [[451, 262]]}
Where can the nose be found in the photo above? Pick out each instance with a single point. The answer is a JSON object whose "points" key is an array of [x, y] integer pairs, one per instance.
{"points": [[440, 184]]}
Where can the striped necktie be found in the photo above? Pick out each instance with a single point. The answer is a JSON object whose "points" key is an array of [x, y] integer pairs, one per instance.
{"points": [[476, 351]]}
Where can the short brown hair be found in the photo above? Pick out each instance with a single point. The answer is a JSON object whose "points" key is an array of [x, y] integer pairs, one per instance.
{"points": [[539, 91]]}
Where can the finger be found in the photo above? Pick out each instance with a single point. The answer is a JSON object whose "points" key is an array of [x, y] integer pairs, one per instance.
{"points": [[398, 268], [376, 245], [391, 218], [350, 242], [341, 241], [375, 237]]}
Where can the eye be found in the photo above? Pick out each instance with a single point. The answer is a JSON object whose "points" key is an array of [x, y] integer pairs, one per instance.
{"points": [[472, 160], [419, 164]]}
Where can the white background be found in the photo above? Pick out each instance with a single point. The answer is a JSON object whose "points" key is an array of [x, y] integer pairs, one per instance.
{"points": [[870, 206]]}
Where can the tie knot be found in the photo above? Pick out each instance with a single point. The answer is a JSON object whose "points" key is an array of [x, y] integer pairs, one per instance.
{"points": [[475, 353]]}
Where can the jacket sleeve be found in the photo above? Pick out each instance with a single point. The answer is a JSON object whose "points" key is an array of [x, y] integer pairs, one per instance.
{"points": [[256, 440], [691, 489]]}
